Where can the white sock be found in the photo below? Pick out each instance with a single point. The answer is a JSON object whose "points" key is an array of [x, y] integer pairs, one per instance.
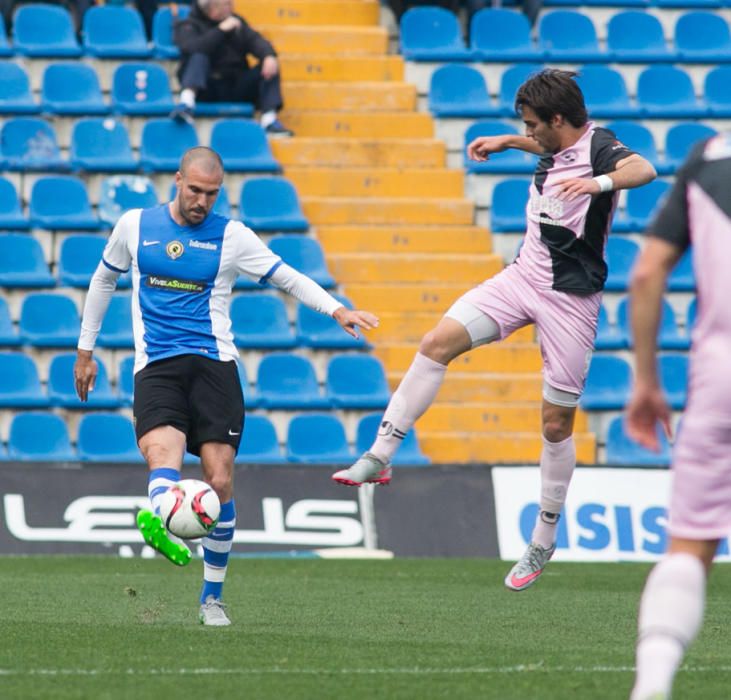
{"points": [[671, 612], [187, 97], [558, 460], [414, 395], [267, 118]]}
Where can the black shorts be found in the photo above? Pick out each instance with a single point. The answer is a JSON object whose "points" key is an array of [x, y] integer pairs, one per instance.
{"points": [[199, 396]]}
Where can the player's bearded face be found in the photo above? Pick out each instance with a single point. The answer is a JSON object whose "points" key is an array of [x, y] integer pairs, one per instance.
{"points": [[197, 193], [544, 133]]}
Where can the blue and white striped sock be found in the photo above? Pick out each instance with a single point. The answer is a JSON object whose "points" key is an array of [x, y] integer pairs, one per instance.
{"points": [[160, 480], [216, 548]]}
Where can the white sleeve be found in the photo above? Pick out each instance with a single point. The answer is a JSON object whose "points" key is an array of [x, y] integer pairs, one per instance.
{"points": [[305, 289], [102, 286], [117, 253], [253, 258]]}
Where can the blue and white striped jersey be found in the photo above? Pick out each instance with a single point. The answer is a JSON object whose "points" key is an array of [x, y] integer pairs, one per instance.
{"points": [[182, 278]]}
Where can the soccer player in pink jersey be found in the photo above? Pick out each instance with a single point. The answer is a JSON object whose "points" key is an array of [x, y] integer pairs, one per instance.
{"points": [[698, 210], [556, 283]]}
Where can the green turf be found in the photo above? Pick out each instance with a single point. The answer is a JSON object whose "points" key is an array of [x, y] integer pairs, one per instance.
{"points": [[114, 628]]}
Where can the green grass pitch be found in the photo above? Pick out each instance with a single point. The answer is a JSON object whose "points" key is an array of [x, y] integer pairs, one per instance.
{"points": [[127, 628]]}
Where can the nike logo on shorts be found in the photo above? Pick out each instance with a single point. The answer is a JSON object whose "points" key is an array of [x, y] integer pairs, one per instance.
{"points": [[232, 433]]}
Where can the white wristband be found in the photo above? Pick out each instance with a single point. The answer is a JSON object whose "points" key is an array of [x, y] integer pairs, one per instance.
{"points": [[605, 183]]}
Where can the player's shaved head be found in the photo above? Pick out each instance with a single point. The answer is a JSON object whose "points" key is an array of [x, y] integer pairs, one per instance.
{"points": [[203, 158]]}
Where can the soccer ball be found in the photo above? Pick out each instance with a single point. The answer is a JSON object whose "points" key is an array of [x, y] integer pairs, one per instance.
{"points": [[190, 509]]}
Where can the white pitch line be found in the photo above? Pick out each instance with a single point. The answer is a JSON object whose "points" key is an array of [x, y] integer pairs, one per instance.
{"points": [[522, 668]]}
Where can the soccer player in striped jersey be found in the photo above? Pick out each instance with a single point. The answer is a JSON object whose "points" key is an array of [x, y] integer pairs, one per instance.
{"points": [[187, 395], [698, 210], [556, 283]]}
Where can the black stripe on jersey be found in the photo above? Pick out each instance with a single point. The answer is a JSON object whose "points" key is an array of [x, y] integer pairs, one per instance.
{"points": [[541, 173]]}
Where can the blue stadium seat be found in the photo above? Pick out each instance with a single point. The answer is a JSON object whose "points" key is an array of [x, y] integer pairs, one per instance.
{"points": [[259, 443], [691, 315], [162, 30], [61, 202], [356, 382], [78, 259], [459, 90], [432, 34], [116, 330], [163, 143], [49, 320], [287, 381], [39, 437], [11, 215], [643, 202], [620, 254], [29, 143], [608, 384], [669, 336], [260, 321], [682, 278], [141, 88], [126, 380], [317, 438], [608, 335], [270, 204], [316, 330], [665, 4], [605, 93], [120, 193], [243, 145], [22, 263], [702, 37], [511, 79], [303, 254], [62, 388], [567, 35], [5, 49], [8, 334], [622, 451], [15, 93], [717, 92], [639, 138], [502, 35], [666, 92], [72, 88], [251, 399], [114, 31], [673, 371], [509, 162], [637, 37], [681, 138], [408, 454], [224, 109], [101, 145], [44, 31], [20, 386], [507, 213], [107, 437]]}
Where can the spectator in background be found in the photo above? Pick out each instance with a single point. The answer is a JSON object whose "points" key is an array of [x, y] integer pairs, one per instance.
{"points": [[214, 44], [398, 7]]}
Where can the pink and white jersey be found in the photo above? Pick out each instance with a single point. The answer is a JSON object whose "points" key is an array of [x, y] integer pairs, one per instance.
{"points": [[698, 212], [564, 242]]}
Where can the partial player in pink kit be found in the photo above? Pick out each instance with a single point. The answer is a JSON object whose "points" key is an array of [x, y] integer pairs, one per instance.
{"points": [[698, 211], [556, 283]]}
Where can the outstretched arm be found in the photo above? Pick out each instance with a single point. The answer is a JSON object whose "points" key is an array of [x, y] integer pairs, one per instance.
{"points": [[481, 148], [632, 171]]}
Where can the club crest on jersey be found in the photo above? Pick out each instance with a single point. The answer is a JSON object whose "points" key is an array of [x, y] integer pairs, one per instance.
{"points": [[174, 249]]}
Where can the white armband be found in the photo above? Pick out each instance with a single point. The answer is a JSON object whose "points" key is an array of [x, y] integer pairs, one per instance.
{"points": [[606, 184]]}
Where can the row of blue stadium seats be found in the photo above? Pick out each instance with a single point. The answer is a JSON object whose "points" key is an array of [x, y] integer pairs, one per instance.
{"points": [[622, 451], [73, 88], [101, 144], [266, 204], [318, 438], [108, 31], [284, 381], [22, 263], [663, 92], [434, 34], [609, 382]]}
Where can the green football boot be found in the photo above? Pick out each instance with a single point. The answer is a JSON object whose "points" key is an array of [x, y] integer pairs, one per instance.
{"points": [[155, 535]]}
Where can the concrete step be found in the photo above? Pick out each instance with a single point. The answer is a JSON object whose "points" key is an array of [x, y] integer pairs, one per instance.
{"points": [[373, 210], [414, 298], [410, 327], [357, 125], [483, 388], [335, 41], [348, 97], [309, 12], [345, 69]]}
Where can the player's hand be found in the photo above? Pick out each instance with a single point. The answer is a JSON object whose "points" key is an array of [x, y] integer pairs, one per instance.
{"points": [[573, 187], [351, 320], [85, 371], [481, 148], [646, 408], [229, 24], [269, 67]]}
